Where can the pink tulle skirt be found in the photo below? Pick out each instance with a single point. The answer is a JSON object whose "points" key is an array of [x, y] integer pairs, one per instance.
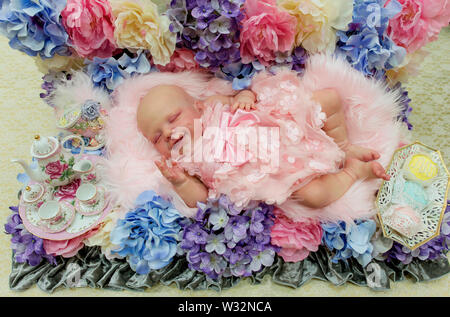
{"points": [[267, 153]]}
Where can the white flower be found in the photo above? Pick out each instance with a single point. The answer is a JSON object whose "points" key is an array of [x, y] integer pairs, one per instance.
{"points": [[317, 22]]}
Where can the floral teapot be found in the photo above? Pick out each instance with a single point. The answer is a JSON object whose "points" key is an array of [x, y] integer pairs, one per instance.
{"points": [[55, 163]]}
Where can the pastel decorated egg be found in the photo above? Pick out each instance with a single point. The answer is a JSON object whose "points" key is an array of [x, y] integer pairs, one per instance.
{"points": [[420, 168], [403, 219], [415, 195]]}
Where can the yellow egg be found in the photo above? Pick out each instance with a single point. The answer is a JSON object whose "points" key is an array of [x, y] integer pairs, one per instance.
{"points": [[422, 167]]}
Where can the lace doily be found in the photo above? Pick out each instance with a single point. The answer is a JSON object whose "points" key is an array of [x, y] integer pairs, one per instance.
{"points": [[432, 213]]}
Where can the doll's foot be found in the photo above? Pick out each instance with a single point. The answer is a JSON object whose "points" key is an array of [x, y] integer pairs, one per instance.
{"points": [[365, 170], [361, 153]]}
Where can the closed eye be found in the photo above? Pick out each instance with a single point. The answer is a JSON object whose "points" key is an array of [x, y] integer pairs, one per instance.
{"points": [[156, 138], [174, 117]]}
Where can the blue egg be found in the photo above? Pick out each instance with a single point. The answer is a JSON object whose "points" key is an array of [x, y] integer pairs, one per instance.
{"points": [[415, 195]]}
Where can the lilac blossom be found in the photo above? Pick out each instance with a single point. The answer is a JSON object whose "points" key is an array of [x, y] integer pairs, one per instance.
{"points": [[209, 28], [26, 247]]}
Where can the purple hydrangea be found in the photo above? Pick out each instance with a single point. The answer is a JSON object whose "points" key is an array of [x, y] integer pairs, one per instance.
{"points": [[26, 247], [209, 28], [50, 80], [406, 109], [225, 241], [431, 250]]}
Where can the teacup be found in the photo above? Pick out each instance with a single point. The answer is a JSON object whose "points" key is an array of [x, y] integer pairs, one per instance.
{"points": [[33, 193], [50, 212], [86, 170], [87, 194]]}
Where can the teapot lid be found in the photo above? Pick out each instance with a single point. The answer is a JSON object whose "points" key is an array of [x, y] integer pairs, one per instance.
{"points": [[44, 146], [33, 192]]}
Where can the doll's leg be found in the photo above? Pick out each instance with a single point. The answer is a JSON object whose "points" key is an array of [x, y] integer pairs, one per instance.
{"points": [[326, 189], [335, 125]]}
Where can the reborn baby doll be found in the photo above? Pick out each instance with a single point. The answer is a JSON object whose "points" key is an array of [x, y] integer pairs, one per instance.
{"points": [[312, 133]]}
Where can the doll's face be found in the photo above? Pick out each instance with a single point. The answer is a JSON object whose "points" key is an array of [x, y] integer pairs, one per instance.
{"points": [[163, 109]]}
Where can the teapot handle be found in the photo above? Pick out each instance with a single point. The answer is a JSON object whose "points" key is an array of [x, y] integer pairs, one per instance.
{"points": [[73, 136]]}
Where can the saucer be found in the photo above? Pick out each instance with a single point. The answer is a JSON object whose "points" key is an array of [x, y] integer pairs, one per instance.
{"points": [[90, 210], [68, 214]]}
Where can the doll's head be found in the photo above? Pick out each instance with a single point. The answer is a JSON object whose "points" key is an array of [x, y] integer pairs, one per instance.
{"points": [[163, 109]]}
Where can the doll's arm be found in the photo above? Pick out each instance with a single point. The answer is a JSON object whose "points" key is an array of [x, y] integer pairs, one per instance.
{"points": [[188, 187], [225, 100], [244, 100]]}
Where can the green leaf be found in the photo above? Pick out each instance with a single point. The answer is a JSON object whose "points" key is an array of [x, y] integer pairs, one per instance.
{"points": [[71, 161]]}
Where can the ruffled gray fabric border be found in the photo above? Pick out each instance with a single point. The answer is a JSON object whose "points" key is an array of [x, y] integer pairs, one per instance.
{"points": [[90, 268]]}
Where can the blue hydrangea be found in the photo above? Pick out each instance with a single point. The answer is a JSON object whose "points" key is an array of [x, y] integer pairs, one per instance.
{"points": [[34, 26], [374, 13], [239, 74], [350, 241], [105, 72], [110, 72], [366, 45], [148, 235]]}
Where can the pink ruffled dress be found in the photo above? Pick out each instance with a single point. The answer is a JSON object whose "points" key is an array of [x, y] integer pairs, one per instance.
{"points": [[285, 148]]}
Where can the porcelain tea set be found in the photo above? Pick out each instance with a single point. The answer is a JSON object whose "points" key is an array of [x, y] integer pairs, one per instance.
{"points": [[59, 169], [86, 120]]}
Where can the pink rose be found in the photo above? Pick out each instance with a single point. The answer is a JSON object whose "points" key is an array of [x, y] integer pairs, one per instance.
{"points": [[55, 169], [67, 248], [90, 25], [68, 191], [296, 239], [419, 22], [265, 31], [91, 177], [181, 60]]}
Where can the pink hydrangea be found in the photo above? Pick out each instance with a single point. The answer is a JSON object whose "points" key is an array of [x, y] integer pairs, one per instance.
{"points": [[90, 25], [265, 31], [181, 60], [296, 238], [67, 248], [419, 22]]}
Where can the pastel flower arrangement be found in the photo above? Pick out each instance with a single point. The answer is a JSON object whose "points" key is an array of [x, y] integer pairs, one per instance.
{"points": [[112, 40], [26, 247], [225, 241], [148, 235], [295, 238], [350, 240]]}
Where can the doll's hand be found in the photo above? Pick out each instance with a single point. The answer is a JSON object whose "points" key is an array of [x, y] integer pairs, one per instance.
{"points": [[245, 100], [174, 174]]}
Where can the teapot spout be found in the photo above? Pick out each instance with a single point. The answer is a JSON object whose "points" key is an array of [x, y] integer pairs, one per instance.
{"points": [[33, 174]]}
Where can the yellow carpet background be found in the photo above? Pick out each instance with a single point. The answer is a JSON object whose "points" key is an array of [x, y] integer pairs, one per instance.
{"points": [[23, 114]]}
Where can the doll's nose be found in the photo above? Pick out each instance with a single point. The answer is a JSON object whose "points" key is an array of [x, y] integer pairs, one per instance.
{"points": [[167, 132]]}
